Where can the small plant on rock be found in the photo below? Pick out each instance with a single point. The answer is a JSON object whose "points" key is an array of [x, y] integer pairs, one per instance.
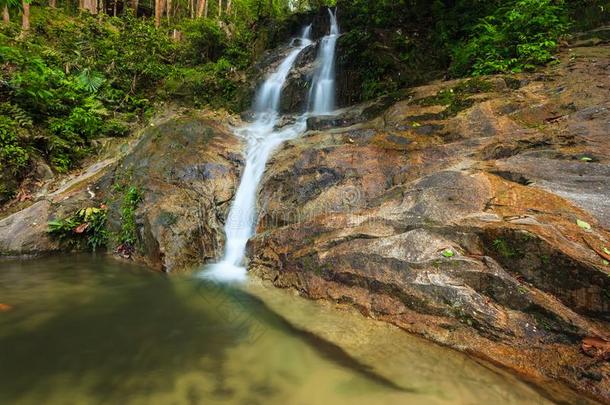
{"points": [[87, 225], [128, 236]]}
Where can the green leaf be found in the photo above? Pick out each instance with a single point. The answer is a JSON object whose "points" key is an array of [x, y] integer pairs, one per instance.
{"points": [[607, 251], [586, 159], [54, 225], [448, 253], [584, 225], [606, 263]]}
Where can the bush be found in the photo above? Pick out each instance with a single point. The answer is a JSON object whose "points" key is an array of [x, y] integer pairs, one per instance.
{"points": [[131, 200], [517, 37], [14, 154], [86, 226]]}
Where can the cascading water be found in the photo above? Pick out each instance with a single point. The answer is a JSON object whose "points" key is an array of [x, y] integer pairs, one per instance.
{"points": [[268, 96], [262, 139], [322, 94]]}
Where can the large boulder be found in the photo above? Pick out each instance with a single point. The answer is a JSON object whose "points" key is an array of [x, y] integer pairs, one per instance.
{"points": [[185, 166], [187, 170], [481, 223]]}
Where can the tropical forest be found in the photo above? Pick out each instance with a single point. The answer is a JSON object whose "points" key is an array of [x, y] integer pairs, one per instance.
{"points": [[304, 202]]}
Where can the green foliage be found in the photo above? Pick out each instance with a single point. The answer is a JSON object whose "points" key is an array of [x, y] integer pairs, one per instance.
{"points": [[517, 37], [131, 200], [78, 78], [87, 225], [448, 253], [457, 98], [390, 44], [504, 249], [14, 153]]}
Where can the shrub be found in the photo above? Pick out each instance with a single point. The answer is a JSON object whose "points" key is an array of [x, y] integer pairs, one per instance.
{"points": [[515, 38], [131, 200], [87, 225]]}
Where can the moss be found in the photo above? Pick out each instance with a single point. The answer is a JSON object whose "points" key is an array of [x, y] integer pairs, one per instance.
{"points": [[504, 249], [457, 98], [474, 86], [512, 83], [310, 264], [131, 200]]}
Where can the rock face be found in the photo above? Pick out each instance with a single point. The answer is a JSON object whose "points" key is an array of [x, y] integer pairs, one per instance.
{"points": [[461, 225], [186, 168]]}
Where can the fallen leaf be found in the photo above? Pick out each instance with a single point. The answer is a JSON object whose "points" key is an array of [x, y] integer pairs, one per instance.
{"points": [[448, 253], [584, 225], [596, 347], [5, 307], [586, 159], [603, 253], [81, 228]]}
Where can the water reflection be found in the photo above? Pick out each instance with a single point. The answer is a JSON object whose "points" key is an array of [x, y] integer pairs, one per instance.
{"points": [[92, 330]]}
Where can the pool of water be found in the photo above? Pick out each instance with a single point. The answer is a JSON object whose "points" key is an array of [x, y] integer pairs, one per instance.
{"points": [[87, 330]]}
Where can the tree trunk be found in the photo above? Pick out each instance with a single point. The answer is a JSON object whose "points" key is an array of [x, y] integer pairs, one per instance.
{"points": [[219, 8], [53, 3], [134, 5], [6, 17], [169, 10], [228, 7], [201, 6], [157, 13], [114, 5], [159, 8], [205, 12], [25, 17], [89, 5]]}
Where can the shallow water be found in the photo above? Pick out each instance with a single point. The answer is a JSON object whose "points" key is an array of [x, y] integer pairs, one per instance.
{"points": [[86, 330]]}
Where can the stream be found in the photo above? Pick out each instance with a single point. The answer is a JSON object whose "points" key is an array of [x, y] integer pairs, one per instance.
{"points": [[92, 330]]}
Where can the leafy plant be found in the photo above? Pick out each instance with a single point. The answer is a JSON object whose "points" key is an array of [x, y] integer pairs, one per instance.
{"points": [[131, 200], [518, 36], [448, 253], [504, 249], [87, 224], [90, 81]]}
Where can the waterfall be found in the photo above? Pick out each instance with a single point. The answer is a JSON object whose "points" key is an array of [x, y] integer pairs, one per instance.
{"points": [[268, 96], [322, 95], [262, 139]]}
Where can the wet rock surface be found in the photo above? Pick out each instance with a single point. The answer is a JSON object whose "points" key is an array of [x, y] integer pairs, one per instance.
{"points": [[187, 170], [461, 227]]}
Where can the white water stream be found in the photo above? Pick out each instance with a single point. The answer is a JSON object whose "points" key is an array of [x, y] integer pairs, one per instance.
{"points": [[322, 94], [263, 138]]}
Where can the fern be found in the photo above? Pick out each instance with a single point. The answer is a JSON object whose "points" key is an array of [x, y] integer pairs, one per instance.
{"points": [[90, 81], [17, 113]]}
